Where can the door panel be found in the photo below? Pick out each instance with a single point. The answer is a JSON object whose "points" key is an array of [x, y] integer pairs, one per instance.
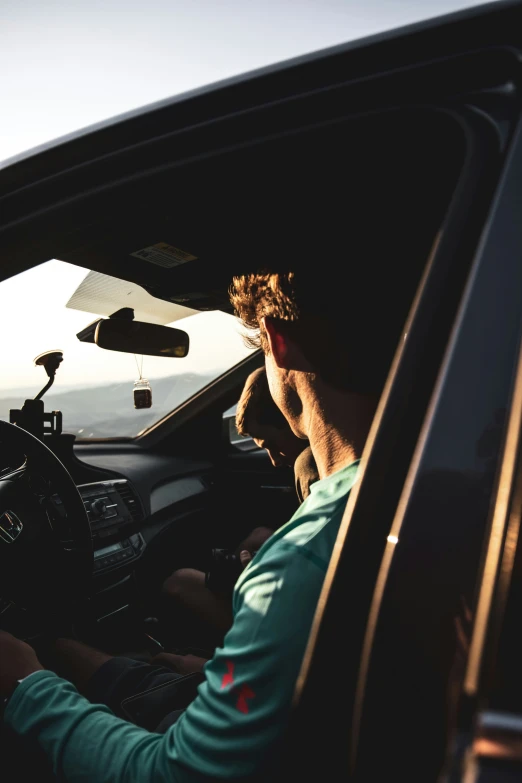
{"points": [[434, 550]]}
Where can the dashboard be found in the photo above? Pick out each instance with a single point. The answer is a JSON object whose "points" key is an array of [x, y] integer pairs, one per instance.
{"points": [[126, 512], [139, 495], [145, 510], [151, 513], [115, 513]]}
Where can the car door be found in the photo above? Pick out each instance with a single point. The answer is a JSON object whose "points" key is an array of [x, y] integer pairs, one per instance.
{"points": [[411, 543]]}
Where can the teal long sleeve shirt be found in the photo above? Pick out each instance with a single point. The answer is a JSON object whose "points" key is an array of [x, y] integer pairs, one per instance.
{"points": [[234, 726]]}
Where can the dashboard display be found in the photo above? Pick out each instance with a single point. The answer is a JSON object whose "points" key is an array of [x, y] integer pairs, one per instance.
{"points": [[108, 549]]}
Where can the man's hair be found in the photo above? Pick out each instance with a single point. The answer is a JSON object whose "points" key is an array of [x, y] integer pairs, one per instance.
{"points": [[347, 327], [256, 403]]}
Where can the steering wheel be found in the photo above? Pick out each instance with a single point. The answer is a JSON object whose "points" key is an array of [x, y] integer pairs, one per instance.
{"points": [[46, 557]]}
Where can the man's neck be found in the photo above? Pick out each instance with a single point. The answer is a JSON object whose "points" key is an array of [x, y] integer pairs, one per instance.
{"points": [[337, 424]]}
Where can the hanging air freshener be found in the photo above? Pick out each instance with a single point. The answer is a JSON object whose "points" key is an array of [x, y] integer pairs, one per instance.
{"points": [[142, 390], [142, 394]]}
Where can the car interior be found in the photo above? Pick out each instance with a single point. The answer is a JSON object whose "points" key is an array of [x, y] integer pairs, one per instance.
{"points": [[169, 224], [181, 487]]}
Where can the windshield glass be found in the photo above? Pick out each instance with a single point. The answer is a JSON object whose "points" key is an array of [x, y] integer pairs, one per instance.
{"points": [[94, 387]]}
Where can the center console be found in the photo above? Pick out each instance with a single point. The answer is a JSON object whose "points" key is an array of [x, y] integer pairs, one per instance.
{"points": [[115, 513], [117, 553]]}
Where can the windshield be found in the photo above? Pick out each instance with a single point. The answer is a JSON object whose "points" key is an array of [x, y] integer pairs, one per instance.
{"points": [[94, 387]]}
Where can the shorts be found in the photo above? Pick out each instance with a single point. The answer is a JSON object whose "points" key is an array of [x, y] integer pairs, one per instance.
{"points": [[121, 678]]}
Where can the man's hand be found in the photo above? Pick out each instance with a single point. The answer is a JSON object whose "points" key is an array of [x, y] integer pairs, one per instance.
{"points": [[182, 664], [251, 544], [244, 558], [255, 539], [17, 660]]}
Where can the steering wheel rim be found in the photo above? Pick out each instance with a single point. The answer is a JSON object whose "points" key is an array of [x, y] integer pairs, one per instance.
{"points": [[75, 555]]}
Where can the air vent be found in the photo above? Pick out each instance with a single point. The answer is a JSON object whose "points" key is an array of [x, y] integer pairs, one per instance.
{"points": [[130, 499], [92, 489]]}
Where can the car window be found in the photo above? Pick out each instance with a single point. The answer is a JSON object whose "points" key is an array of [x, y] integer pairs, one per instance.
{"points": [[237, 441], [48, 305]]}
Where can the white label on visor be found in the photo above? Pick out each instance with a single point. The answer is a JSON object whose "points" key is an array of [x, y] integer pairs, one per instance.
{"points": [[164, 255]]}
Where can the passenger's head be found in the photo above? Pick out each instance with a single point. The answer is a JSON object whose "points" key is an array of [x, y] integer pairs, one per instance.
{"points": [[257, 415], [320, 335]]}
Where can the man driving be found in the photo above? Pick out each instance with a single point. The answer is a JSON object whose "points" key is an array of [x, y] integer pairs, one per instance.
{"points": [[325, 375]]}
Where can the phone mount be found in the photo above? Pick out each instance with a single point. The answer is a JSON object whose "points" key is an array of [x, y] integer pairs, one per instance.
{"points": [[32, 416]]}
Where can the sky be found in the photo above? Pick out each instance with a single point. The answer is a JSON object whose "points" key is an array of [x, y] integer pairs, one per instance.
{"points": [[66, 65]]}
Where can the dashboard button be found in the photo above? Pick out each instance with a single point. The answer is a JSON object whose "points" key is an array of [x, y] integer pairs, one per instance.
{"points": [[135, 541]]}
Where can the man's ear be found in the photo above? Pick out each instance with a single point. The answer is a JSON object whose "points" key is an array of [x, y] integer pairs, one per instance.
{"points": [[277, 340], [286, 354]]}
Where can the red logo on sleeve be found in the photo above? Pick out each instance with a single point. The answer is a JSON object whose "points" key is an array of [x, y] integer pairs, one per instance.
{"points": [[228, 678], [245, 692]]}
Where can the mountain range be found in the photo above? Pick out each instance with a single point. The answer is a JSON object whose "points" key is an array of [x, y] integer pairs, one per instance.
{"points": [[108, 411]]}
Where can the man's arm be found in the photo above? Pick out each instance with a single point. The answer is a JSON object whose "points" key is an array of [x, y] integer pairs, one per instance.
{"points": [[232, 727]]}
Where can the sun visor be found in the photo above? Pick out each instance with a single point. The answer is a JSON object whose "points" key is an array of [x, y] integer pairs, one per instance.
{"points": [[101, 294]]}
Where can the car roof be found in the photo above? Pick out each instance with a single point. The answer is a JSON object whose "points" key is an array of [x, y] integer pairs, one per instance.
{"points": [[13, 171], [73, 199]]}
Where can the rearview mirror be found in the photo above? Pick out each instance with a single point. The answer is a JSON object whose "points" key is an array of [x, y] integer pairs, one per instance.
{"points": [[138, 337]]}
